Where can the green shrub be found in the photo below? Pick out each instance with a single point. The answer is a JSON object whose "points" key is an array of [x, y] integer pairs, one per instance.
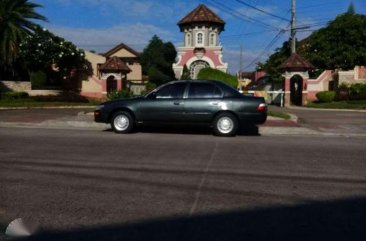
{"points": [[38, 80], [358, 91], [326, 96], [14, 95], [63, 97], [118, 94], [215, 74]]}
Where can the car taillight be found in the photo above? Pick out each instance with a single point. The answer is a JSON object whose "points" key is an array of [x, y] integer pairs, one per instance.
{"points": [[96, 113], [262, 107]]}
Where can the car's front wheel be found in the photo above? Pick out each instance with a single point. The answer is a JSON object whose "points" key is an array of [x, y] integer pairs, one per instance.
{"points": [[122, 122], [225, 124]]}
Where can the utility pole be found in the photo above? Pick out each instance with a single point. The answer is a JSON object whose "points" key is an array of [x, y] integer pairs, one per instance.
{"points": [[293, 27], [241, 60]]}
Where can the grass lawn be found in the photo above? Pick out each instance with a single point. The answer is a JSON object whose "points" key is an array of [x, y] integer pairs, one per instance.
{"points": [[278, 114], [30, 103], [351, 104]]}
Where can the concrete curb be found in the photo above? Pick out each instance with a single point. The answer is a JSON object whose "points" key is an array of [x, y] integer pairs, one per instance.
{"points": [[324, 109], [57, 125]]}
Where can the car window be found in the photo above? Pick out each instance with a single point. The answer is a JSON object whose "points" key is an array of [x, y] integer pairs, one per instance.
{"points": [[228, 90], [204, 90], [171, 91]]}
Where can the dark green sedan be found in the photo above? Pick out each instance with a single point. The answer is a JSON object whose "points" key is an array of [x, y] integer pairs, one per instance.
{"points": [[184, 102]]}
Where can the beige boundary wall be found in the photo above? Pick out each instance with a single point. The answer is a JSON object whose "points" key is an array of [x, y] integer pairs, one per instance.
{"points": [[15, 85], [25, 86]]}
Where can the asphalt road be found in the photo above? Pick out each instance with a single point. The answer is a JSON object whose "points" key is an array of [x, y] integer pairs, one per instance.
{"points": [[96, 185]]}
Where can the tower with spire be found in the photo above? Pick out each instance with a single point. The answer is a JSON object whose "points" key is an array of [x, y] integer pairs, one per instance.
{"points": [[201, 48]]}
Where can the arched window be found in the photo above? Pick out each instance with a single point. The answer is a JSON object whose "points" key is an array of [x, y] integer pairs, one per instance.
{"points": [[199, 39], [212, 39], [188, 39]]}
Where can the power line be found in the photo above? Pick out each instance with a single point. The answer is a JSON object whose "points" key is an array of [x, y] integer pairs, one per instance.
{"points": [[320, 4], [245, 34], [242, 16], [262, 11], [265, 50]]}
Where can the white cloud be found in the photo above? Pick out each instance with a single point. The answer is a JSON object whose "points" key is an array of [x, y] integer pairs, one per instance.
{"points": [[136, 35], [126, 7]]}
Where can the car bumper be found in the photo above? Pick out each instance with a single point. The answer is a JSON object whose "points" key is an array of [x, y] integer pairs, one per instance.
{"points": [[100, 117], [257, 118]]}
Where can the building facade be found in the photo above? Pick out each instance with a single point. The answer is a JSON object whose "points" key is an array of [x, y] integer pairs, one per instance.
{"points": [[201, 48], [117, 69]]}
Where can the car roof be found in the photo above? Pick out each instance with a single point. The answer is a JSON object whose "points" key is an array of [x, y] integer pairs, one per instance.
{"points": [[196, 81], [228, 90]]}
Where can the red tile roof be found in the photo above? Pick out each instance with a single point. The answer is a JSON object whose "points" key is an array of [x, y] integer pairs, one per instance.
{"points": [[119, 47], [296, 62], [201, 14], [114, 64]]}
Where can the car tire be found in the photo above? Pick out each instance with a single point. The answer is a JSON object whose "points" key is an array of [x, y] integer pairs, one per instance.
{"points": [[122, 122], [225, 124]]}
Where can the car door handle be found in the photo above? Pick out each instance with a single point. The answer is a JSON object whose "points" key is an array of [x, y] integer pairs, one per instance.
{"points": [[214, 103], [178, 103]]}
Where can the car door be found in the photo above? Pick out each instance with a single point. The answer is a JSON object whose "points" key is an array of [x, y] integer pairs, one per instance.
{"points": [[165, 105], [203, 101]]}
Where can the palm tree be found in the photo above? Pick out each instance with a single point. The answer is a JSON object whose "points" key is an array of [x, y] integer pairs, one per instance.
{"points": [[15, 25]]}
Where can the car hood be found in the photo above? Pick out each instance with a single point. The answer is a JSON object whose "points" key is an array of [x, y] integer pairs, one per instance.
{"points": [[111, 102]]}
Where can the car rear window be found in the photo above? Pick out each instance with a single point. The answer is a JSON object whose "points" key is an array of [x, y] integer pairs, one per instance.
{"points": [[228, 91], [204, 90]]}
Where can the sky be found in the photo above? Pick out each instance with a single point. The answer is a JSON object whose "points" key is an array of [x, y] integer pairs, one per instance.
{"points": [[253, 27]]}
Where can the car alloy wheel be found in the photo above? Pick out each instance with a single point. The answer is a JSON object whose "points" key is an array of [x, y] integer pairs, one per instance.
{"points": [[122, 122], [225, 124]]}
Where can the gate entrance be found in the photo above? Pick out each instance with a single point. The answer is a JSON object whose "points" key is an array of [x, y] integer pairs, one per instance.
{"points": [[111, 84], [296, 88]]}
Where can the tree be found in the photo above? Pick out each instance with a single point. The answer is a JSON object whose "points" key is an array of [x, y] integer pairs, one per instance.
{"points": [[275, 60], [157, 60], [339, 45], [61, 60], [215, 74], [351, 8], [186, 75], [15, 25]]}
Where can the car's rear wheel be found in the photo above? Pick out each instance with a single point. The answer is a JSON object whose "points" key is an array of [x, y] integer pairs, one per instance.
{"points": [[225, 124], [122, 122]]}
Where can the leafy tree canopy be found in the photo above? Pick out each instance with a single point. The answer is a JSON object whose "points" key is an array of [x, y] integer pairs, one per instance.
{"points": [[215, 74], [157, 60], [15, 25], [339, 45], [54, 55]]}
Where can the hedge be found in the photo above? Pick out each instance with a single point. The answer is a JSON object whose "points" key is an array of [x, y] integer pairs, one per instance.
{"points": [[326, 96], [214, 74], [14, 95]]}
